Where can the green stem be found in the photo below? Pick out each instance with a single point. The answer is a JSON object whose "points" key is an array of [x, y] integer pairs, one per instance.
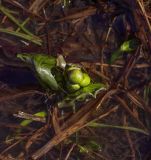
{"points": [[11, 11], [115, 55]]}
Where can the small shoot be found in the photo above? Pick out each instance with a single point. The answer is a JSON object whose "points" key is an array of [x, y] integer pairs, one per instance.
{"points": [[126, 47], [90, 146]]}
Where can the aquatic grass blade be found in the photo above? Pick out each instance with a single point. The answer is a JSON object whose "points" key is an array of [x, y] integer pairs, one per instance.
{"points": [[13, 19], [23, 24], [33, 39], [102, 125]]}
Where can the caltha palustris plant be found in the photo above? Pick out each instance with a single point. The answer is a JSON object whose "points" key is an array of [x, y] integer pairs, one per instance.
{"points": [[69, 80]]}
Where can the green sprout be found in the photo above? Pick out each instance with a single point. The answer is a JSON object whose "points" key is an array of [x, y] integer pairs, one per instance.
{"points": [[127, 46], [130, 45]]}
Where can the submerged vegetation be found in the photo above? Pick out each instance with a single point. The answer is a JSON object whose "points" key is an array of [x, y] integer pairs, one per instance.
{"points": [[75, 79]]}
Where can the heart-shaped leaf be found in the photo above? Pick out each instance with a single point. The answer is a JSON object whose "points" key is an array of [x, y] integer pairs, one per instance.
{"points": [[42, 65]]}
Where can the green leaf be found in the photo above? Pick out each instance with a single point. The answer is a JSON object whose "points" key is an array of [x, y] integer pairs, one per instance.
{"points": [[26, 122], [89, 146], [42, 65], [130, 45], [41, 114], [28, 58], [115, 55], [83, 149], [93, 145], [82, 94], [101, 125], [90, 89], [127, 46]]}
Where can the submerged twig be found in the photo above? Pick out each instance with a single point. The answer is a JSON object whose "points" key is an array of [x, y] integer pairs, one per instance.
{"points": [[80, 14], [69, 152], [19, 95], [130, 140]]}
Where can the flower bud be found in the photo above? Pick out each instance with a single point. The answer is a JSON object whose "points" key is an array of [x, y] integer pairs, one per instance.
{"points": [[72, 87], [75, 76], [86, 80]]}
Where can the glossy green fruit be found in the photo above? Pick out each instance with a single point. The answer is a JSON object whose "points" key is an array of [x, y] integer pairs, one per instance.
{"points": [[72, 87], [86, 80], [75, 76]]}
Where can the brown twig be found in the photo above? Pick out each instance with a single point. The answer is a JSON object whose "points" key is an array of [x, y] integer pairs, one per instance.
{"points": [[35, 136], [13, 145], [37, 5], [30, 117], [144, 13], [80, 14], [74, 124], [129, 140], [69, 152], [123, 103], [19, 95]]}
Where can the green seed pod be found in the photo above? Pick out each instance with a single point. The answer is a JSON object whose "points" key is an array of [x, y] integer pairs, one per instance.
{"points": [[72, 87], [75, 76], [86, 80]]}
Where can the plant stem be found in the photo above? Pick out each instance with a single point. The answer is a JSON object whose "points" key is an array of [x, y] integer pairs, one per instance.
{"points": [[23, 24], [12, 18], [33, 39]]}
